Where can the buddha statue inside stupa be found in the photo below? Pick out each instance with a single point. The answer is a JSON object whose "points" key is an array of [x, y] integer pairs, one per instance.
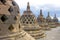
{"points": [[10, 28], [30, 25]]}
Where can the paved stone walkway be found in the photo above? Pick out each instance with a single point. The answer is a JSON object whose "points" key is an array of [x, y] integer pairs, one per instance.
{"points": [[53, 34]]}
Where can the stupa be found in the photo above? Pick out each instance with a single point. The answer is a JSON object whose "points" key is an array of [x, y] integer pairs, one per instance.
{"points": [[48, 18], [55, 19], [50, 22], [30, 25], [10, 28], [42, 21], [41, 18]]}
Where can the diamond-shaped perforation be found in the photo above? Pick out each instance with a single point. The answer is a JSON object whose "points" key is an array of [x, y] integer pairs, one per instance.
{"points": [[28, 19], [4, 18], [11, 27], [3, 1], [10, 9], [15, 18], [14, 4], [19, 26]]}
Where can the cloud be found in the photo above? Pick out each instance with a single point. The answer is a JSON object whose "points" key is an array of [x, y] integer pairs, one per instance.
{"points": [[40, 4], [51, 17], [22, 3], [53, 6], [59, 18]]}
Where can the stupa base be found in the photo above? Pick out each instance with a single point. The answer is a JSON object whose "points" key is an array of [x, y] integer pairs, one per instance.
{"points": [[17, 36]]}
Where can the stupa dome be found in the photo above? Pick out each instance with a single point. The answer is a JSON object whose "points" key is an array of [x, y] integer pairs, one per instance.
{"points": [[55, 19], [30, 25], [10, 28], [48, 18]]}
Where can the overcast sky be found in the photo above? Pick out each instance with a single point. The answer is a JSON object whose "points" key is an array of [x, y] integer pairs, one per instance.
{"points": [[22, 3], [46, 5]]}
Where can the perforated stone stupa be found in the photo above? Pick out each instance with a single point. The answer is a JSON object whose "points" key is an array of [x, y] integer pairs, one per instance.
{"points": [[41, 18], [10, 28], [42, 21], [30, 25], [48, 18], [55, 19]]}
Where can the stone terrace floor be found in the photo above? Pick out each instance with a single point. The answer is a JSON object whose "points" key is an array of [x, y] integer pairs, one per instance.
{"points": [[53, 34]]}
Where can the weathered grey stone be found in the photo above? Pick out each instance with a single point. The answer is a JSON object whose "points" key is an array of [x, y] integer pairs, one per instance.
{"points": [[10, 22], [30, 25]]}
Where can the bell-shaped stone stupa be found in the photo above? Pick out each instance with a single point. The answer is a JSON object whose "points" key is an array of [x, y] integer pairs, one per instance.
{"points": [[30, 25], [10, 28]]}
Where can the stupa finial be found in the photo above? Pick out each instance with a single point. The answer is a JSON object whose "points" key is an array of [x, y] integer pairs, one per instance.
{"points": [[28, 7]]}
